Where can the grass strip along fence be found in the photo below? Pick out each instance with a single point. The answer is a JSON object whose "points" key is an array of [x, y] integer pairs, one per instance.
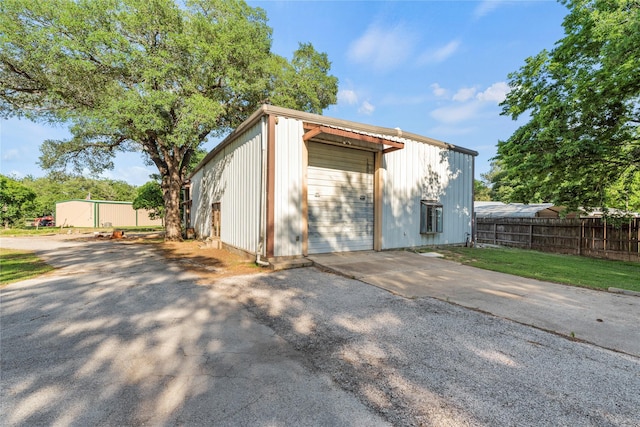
{"points": [[558, 268], [593, 237]]}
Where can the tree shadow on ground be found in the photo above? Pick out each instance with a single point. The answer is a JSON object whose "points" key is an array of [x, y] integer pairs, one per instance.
{"points": [[121, 336]]}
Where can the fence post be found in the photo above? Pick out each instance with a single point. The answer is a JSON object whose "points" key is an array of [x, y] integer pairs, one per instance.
{"points": [[530, 235], [604, 237], [495, 233], [580, 236]]}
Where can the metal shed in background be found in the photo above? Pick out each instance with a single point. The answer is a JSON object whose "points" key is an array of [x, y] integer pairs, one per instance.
{"points": [[516, 210], [101, 213], [287, 184]]}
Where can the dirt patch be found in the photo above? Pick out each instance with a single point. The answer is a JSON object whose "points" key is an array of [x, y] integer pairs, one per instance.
{"points": [[191, 255], [208, 263]]}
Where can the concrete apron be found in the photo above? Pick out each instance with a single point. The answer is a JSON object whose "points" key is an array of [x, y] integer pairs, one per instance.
{"points": [[605, 319]]}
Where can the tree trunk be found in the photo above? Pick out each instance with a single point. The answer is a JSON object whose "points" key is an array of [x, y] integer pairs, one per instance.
{"points": [[171, 189]]}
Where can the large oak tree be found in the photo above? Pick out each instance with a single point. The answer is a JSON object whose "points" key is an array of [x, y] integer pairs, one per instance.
{"points": [[152, 76], [581, 145]]}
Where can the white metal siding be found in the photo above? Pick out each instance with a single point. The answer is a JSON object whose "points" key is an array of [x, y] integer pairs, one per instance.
{"points": [[340, 198], [232, 178], [288, 188], [425, 172]]}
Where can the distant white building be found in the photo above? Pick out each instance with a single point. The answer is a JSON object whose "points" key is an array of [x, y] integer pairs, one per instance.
{"points": [[101, 213]]}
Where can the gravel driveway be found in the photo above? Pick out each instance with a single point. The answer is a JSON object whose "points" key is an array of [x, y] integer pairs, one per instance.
{"points": [[120, 337]]}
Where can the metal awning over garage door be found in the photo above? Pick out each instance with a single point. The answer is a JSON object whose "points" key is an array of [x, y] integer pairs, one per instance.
{"points": [[340, 199]]}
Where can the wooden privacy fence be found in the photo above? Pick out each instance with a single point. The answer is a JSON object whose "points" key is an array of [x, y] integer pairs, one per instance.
{"points": [[592, 237]]}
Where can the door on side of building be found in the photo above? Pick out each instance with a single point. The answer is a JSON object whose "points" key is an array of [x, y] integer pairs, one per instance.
{"points": [[216, 221], [340, 199]]}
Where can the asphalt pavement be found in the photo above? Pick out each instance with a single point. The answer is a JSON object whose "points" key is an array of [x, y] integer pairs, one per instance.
{"points": [[118, 336], [603, 318]]}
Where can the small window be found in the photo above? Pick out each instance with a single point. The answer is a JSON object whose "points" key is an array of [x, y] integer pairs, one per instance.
{"points": [[430, 217]]}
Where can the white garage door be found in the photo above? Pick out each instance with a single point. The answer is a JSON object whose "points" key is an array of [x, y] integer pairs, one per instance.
{"points": [[340, 199]]}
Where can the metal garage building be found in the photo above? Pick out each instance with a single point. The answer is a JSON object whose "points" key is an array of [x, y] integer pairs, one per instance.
{"points": [[287, 184], [101, 213]]}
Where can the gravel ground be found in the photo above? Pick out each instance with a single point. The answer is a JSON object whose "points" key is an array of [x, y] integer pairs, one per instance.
{"points": [[427, 362]]}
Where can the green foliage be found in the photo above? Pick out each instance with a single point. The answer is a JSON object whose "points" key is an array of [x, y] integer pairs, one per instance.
{"points": [[156, 77], [304, 83], [61, 187], [481, 191], [500, 183], [150, 197], [16, 201], [582, 142]]}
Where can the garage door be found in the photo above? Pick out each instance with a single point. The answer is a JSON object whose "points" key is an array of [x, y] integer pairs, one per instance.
{"points": [[340, 199]]}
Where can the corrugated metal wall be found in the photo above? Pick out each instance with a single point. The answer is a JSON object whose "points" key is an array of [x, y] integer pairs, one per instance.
{"points": [[232, 178], [75, 213], [425, 172], [288, 184], [144, 220], [97, 213], [116, 214]]}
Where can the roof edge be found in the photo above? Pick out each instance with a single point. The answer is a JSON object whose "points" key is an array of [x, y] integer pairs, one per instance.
{"points": [[114, 202], [362, 127], [266, 110]]}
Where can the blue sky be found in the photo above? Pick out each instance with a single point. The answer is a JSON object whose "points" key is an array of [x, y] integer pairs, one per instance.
{"points": [[435, 68]]}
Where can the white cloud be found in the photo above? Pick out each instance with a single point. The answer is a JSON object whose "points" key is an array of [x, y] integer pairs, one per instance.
{"points": [[10, 154], [497, 92], [464, 94], [440, 54], [347, 96], [438, 90], [366, 108], [485, 7], [383, 48], [471, 104], [457, 113]]}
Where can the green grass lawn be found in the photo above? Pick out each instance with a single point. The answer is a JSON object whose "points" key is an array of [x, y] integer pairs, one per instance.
{"points": [[20, 265], [568, 269]]}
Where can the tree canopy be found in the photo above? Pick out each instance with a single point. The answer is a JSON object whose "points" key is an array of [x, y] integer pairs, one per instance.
{"points": [[481, 191], [155, 77], [16, 201], [150, 197], [581, 145], [60, 187]]}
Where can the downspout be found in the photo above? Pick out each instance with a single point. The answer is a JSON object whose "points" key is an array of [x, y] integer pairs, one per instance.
{"points": [[263, 196], [473, 237]]}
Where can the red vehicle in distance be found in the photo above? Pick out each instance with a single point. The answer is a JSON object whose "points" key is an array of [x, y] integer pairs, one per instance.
{"points": [[45, 221]]}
